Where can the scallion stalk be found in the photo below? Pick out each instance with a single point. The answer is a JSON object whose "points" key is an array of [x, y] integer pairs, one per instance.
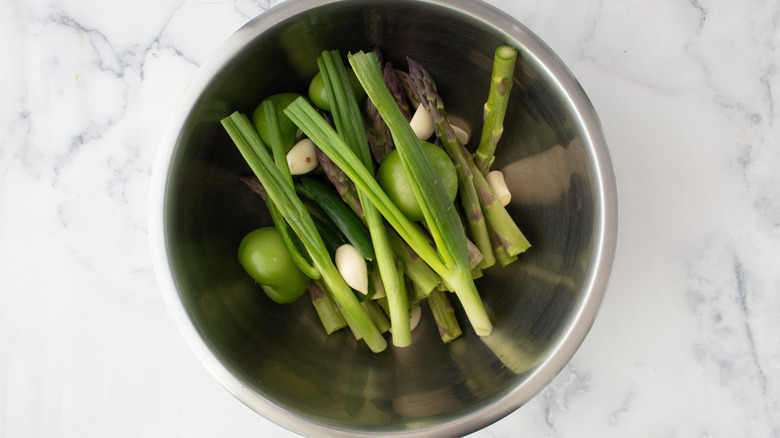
{"points": [[291, 242]]}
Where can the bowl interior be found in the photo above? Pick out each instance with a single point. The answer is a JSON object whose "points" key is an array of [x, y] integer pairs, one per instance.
{"points": [[310, 382]]}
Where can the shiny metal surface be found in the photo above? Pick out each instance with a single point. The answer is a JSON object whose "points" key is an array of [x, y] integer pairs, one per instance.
{"points": [[274, 358]]}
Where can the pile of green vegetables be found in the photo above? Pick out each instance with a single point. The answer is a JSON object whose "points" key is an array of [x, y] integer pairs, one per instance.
{"points": [[369, 217]]}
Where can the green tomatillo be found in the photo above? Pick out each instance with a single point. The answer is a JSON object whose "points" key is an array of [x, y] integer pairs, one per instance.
{"points": [[264, 257], [393, 180], [319, 96], [286, 126]]}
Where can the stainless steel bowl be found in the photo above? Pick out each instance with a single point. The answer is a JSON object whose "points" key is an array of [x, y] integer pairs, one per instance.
{"points": [[274, 358]]}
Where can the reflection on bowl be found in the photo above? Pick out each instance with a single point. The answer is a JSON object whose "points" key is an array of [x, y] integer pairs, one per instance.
{"points": [[275, 358]]}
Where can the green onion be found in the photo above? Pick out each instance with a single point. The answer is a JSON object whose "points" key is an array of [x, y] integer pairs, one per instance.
{"points": [[282, 194], [275, 140], [290, 240]]}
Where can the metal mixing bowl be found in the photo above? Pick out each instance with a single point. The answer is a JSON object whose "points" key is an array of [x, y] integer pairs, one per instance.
{"points": [[275, 358]]}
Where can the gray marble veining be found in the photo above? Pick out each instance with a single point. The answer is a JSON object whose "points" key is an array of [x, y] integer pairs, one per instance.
{"points": [[686, 341]]}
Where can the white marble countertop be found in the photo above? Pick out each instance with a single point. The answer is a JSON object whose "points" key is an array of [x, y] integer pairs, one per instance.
{"points": [[686, 343]]}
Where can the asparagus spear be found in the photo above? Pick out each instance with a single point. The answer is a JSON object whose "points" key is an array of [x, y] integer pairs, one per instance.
{"points": [[501, 255], [341, 182], [329, 314], [414, 267], [379, 137], [417, 294], [389, 74], [254, 185], [379, 140], [377, 315], [505, 230], [379, 56], [425, 88], [406, 83], [495, 107], [444, 315]]}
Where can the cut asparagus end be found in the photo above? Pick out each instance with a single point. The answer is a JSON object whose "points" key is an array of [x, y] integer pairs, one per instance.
{"points": [[329, 314], [444, 315]]}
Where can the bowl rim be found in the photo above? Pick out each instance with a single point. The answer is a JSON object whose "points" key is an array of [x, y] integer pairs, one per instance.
{"points": [[604, 239]]}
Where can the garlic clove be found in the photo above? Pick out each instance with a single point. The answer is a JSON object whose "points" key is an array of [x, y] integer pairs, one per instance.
{"points": [[302, 157], [352, 267], [462, 134], [495, 179], [414, 317], [422, 123]]}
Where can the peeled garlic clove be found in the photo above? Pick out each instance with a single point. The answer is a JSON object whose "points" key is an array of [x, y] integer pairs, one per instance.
{"points": [[495, 179], [302, 157], [422, 123], [414, 317], [461, 128], [352, 267], [462, 134]]}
